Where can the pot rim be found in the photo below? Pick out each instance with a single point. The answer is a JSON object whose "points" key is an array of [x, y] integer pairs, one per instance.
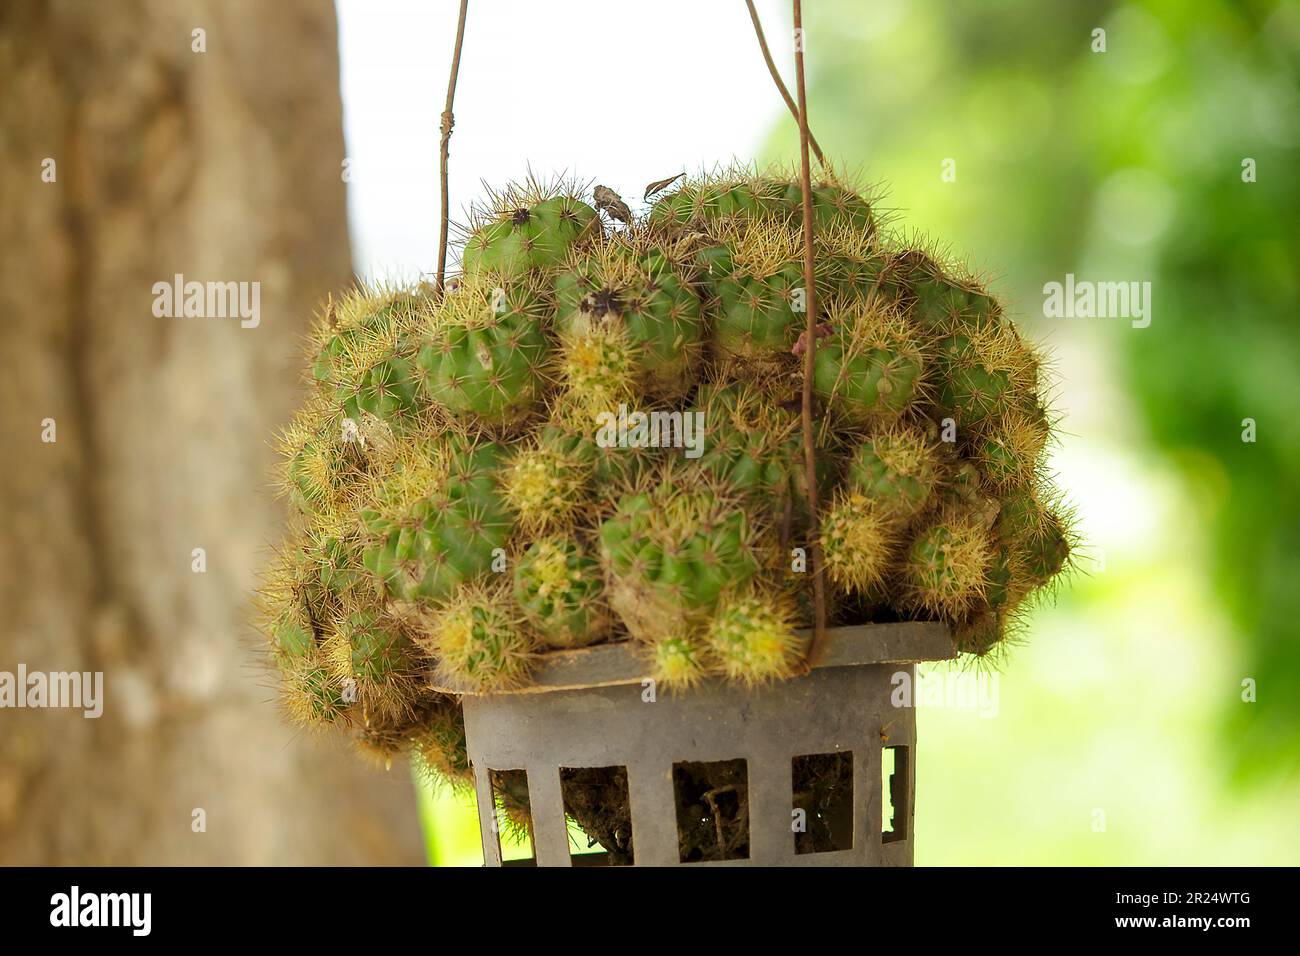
{"points": [[626, 662]]}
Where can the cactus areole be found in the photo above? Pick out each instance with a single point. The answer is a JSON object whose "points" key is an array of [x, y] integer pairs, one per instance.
{"points": [[464, 506]]}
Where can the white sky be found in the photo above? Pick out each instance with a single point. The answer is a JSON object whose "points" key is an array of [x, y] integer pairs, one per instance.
{"points": [[613, 90]]}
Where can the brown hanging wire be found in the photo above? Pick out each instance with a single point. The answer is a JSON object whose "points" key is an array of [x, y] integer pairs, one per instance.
{"points": [[776, 78], [809, 452], [448, 121]]}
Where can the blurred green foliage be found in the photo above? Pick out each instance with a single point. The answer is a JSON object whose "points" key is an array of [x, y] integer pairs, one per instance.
{"points": [[1121, 165]]}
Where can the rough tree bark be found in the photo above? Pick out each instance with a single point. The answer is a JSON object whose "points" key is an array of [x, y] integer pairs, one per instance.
{"points": [[222, 165]]}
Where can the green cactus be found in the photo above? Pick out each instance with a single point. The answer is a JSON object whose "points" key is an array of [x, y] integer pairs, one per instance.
{"points": [[761, 296], [464, 504], [324, 459], [561, 591], [290, 606], [754, 638], [639, 291], [742, 194], [832, 205], [332, 551], [749, 441], [547, 482], [982, 631], [859, 543], [1047, 550], [672, 552], [983, 371], [363, 321], [733, 194], [939, 301], [1009, 444], [478, 639], [373, 663], [897, 469], [946, 567], [1037, 533], [292, 633], [526, 230], [439, 752], [438, 522], [484, 352], [363, 358], [311, 695], [677, 661], [600, 370], [872, 367], [753, 445]]}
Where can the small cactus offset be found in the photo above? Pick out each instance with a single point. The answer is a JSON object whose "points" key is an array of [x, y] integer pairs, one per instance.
{"points": [[561, 590], [593, 434]]}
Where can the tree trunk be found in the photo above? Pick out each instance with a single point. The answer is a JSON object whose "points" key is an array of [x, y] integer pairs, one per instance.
{"points": [[222, 166]]}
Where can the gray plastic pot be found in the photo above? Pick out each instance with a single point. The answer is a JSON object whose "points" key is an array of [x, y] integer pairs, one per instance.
{"points": [[596, 707]]}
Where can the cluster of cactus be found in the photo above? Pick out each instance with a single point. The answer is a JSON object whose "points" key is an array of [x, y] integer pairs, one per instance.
{"points": [[593, 434]]}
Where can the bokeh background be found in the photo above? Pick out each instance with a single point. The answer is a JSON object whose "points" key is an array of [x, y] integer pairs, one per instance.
{"points": [[1152, 715]]}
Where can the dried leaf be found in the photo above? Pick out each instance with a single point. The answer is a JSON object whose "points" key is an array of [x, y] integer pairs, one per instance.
{"points": [[659, 185], [612, 203]]}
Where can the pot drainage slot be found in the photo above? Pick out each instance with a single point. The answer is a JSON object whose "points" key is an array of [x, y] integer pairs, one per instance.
{"points": [[712, 810], [513, 816], [598, 814], [822, 818], [893, 794]]}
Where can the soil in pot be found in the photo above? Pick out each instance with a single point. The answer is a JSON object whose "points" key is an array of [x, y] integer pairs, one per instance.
{"points": [[712, 804]]}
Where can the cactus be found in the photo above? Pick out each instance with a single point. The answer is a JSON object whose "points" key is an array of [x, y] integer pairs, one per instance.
{"points": [[527, 229], [897, 470], [672, 552], [983, 371], [478, 639], [484, 353], [638, 291], [1037, 533], [546, 482], [946, 568], [1010, 444], [310, 693], [372, 662], [938, 300], [859, 541], [333, 565], [872, 368], [754, 638], [438, 522], [745, 194], [749, 442], [981, 632], [732, 194], [762, 295], [461, 506], [1047, 550], [439, 753], [677, 661], [362, 360], [561, 592], [600, 369]]}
